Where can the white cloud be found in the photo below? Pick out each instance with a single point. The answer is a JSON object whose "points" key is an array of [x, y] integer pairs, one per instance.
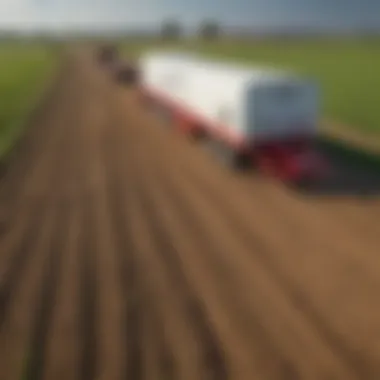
{"points": [[61, 14], [58, 14], [15, 11]]}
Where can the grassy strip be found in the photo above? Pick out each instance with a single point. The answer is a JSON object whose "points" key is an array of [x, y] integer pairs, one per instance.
{"points": [[349, 153], [25, 74]]}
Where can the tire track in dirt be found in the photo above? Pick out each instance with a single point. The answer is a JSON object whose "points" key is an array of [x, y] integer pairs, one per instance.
{"points": [[212, 355], [249, 326], [179, 325], [44, 317], [153, 174], [140, 319], [260, 251], [96, 127], [81, 316], [361, 214], [60, 350], [89, 299], [336, 221], [284, 367], [181, 362], [299, 296], [355, 318], [216, 355], [129, 282], [46, 303], [62, 347], [214, 196], [101, 298], [20, 256], [199, 325], [14, 336]]}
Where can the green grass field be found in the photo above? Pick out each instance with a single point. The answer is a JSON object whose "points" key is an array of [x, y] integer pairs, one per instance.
{"points": [[24, 72], [348, 71]]}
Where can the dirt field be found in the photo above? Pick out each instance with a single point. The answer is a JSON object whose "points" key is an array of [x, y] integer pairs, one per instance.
{"points": [[128, 252]]}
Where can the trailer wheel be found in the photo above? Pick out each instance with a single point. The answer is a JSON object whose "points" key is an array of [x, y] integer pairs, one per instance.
{"points": [[127, 75], [239, 161], [197, 134], [229, 156], [235, 160]]}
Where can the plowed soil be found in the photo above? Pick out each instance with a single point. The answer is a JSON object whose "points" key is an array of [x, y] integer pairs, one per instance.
{"points": [[129, 252]]}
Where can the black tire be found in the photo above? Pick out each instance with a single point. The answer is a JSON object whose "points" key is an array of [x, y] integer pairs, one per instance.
{"points": [[230, 157], [126, 76], [239, 161], [198, 135]]}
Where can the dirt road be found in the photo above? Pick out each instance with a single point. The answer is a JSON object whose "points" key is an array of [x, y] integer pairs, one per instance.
{"points": [[128, 252]]}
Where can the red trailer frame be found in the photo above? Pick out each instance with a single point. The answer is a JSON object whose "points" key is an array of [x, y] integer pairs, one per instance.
{"points": [[292, 160]]}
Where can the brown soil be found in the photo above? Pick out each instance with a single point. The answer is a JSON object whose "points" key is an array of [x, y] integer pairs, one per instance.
{"points": [[127, 251]]}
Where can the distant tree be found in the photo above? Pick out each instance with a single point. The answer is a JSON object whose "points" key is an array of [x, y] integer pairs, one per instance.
{"points": [[171, 29], [209, 30]]}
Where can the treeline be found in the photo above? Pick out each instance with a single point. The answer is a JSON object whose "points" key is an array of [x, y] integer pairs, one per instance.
{"points": [[211, 29], [207, 29]]}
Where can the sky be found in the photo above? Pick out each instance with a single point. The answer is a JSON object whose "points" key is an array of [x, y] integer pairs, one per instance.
{"points": [[89, 14]]}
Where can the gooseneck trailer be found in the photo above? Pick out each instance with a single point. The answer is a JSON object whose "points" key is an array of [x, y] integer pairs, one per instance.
{"points": [[263, 117]]}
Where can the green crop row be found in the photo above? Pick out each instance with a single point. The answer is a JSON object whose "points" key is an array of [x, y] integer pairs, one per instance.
{"points": [[24, 72]]}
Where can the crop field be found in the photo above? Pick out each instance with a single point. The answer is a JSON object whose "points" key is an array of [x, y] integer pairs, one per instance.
{"points": [[348, 71], [24, 72], [128, 251]]}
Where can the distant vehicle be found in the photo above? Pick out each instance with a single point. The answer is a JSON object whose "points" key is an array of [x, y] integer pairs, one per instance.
{"points": [[259, 116], [122, 71], [107, 54], [125, 73]]}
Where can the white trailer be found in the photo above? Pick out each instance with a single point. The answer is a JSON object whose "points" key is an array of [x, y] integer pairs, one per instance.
{"points": [[263, 114]]}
